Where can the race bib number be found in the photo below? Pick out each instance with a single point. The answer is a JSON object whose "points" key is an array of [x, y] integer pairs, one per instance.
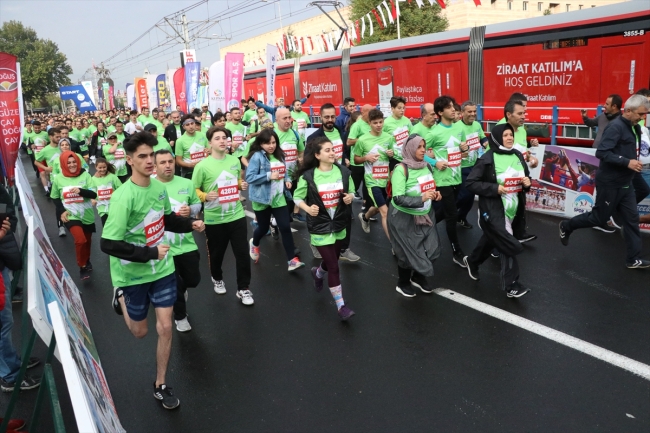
{"points": [[401, 134], [337, 146], [290, 152], [301, 124], [154, 227], [104, 192], [197, 156], [102, 141], [513, 185], [380, 170], [426, 183], [522, 149], [71, 197], [279, 168], [228, 191], [237, 138], [119, 154], [473, 142], [454, 157], [330, 193], [39, 145]]}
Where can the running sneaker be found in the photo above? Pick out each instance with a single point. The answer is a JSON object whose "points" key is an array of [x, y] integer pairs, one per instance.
{"points": [[275, 232], [457, 257], [349, 256], [638, 264], [406, 291], [33, 362], [219, 287], [83, 273], [89, 266], [117, 294], [295, 263], [495, 253], [183, 325], [422, 284], [564, 232], [254, 251], [314, 252], [472, 269], [527, 237], [246, 297], [165, 395], [464, 223], [298, 217], [365, 224], [62, 232], [606, 229], [318, 282], [516, 290], [28, 382], [345, 313], [357, 196], [613, 223]]}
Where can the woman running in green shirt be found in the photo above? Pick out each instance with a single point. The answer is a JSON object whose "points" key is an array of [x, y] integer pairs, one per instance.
{"points": [[105, 182]]}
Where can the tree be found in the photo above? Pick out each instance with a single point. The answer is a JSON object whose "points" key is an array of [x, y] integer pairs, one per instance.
{"points": [[291, 54], [43, 67], [414, 21]]}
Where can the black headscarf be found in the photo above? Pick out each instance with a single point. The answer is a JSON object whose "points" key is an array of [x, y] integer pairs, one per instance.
{"points": [[496, 138]]}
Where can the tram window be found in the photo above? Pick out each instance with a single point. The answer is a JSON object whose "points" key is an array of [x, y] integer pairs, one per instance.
{"points": [[565, 43], [568, 7], [540, 6], [509, 5], [525, 6]]}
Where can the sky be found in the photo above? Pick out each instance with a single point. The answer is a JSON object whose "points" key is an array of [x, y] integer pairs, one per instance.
{"points": [[87, 30]]}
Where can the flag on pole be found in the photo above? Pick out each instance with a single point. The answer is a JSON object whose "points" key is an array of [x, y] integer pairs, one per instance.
{"points": [[389, 14], [381, 12], [374, 12], [357, 32], [394, 5], [363, 27], [372, 30], [441, 3]]}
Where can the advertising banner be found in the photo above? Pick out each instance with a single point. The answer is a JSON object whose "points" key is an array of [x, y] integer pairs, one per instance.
{"points": [[271, 67], [130, 96], [88, 85], [141, 94], [152, 92], [79, 96], [161, 91], [179, 88], [188, 56], [170, 88], [234, 71], [192, 75], [216, 86], [10, 113]]}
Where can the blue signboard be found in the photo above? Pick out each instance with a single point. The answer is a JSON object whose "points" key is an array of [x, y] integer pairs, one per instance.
{"points": [[78, 94]]}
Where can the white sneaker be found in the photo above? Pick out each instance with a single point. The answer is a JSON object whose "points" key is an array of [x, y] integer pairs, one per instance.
{"points": [[62, 232], [246, 297], [219, 287], [183, 325]]}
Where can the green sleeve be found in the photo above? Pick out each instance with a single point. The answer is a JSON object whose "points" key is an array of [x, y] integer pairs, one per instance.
{"points": [[89, 182], [351, 187], [354, 130], [40, 156], [301, 190], [193, 198], [56, 189], [167, 206], [197, 177], [117, 182], [481, 134], [115, 228], [392, 142], [301, 144], [358, 148], [398, 181]]}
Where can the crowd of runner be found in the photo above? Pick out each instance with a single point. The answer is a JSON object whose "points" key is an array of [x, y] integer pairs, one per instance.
{"points": [[159, 176]]}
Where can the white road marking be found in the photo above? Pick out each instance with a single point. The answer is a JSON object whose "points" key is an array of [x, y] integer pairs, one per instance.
{"points": [[608, 356], [251, 215]]}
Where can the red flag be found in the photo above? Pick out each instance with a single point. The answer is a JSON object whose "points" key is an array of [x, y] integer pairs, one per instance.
{"points": [[358, 30], [374, 12], [179, 87], [442, 3], [10, 133], [327, 48], [477, 2], [393, 9]]}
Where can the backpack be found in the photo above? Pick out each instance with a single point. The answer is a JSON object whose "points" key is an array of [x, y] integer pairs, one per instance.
{"points": [[389, 184]]}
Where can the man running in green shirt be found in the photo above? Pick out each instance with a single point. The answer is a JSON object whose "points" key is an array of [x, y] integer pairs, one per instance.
{"points": [[191, 147], [251, 111], [293, 147], [46, 156], [300, 118], [374, 151], [141, 270], [145, 118], [238, 131], [358, 128], [28, 133], [398, 126]]}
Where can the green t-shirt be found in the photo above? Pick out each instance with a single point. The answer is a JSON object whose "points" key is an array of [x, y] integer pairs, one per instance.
{"points": [[330, 188], [400, 130], [105, 186], [249, 115], [205, 125], [39, 141], [238, 132], [145, 119], [221, 175], [473, 136], [118, 159], [292, 145], [56, 165], [48, 154], [80, 135], [191, 148], [300, 122], [91, 130], [423, 132], [337, 144], [182, 192], [163, 144], [159, 126], [509, 173], [137, 216], [79, 208], [445, 141], [277, 186], [111, 128], [419, 181], [376, 174], [358, 128], [27, 137]]}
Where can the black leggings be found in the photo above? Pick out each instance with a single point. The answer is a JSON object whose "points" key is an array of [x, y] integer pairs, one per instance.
{"points": [[448, 211], [357, 177], [188, 275], [281, 215], [218, 238], [330, 263]]}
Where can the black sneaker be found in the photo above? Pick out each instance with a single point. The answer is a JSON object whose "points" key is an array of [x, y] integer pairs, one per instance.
{"points": [[464, 223], [33, 362], [527, 237], [638, 264], [564, 232], [605, 229], [495, 253], [28, 382], [472, 269], [406, 291], [89, 266], [458, 258], [275, 232], [83, 273], [165, 395], [516, 290], [117, 294], [421, 283]]}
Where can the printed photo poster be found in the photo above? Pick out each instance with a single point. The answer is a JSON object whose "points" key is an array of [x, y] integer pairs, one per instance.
{"points": [[30, 208], [91, 398]]}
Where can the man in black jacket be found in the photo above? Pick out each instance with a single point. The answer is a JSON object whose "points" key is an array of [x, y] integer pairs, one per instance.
{"points": [[619, 164]]}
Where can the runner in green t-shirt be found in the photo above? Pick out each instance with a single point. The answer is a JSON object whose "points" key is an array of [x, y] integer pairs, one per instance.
{"points": [[300, 119], [250, 112], [191, 147], [185, 202], [374, 151], [43, 158], [78, 134], [145, 117], [105, 182], [141, 270], [28, 136], [398, 125], [238, 131], [357, 129], [325, 192], [64, 145], [217, 180], [115, 154], [294, 147], [72, 192]]}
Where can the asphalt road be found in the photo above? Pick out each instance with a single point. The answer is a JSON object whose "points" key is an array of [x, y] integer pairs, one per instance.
{"points": [[287, 364]]}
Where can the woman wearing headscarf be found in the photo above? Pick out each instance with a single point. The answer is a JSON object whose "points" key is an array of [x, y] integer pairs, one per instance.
{"points": [[500, 178], [411, 218], [72, 192]]}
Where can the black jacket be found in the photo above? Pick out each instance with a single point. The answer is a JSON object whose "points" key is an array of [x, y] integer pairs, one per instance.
{"points": [[320, 132], [10, 256], [482, 181], [170, 133], [323, 223], [617, 147]]}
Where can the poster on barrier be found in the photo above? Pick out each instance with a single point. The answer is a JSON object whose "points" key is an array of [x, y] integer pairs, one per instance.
{"points": [[30, 208], [92, 403]]}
